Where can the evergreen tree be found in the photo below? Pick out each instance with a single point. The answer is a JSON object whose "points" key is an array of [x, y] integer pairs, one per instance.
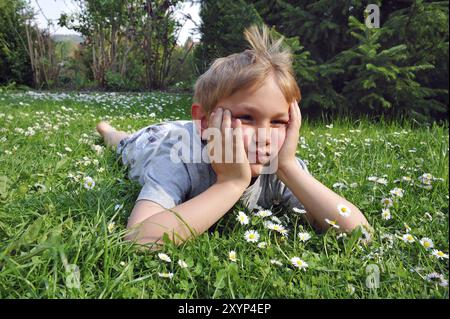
{"points": [[222, 28]]}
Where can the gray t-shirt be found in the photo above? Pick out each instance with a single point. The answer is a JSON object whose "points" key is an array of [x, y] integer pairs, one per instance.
{"points": [[150, 152]]}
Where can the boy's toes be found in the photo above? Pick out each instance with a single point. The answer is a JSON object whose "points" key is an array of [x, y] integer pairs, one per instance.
{"points": [[103, 127]]}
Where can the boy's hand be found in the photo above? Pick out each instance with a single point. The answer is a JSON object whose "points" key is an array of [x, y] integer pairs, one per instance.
{"points": [[286, 155], [237, 167]]}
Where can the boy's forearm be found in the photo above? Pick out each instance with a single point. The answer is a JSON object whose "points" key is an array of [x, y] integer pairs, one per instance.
{"points": [[198, 214], [319, 201]]}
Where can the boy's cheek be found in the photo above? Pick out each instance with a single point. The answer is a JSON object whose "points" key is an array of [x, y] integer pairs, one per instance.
{"points": [[278, 138]]}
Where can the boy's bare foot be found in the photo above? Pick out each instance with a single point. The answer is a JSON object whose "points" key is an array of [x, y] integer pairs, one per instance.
{"points": [[111, 136], [104, 127]]}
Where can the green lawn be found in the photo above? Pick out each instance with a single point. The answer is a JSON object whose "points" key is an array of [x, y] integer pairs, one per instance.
{"points": [[53, 228]]}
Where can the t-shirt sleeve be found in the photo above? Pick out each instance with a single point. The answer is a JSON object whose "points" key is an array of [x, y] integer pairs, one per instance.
{"points": [[165, 182], [288, 198]]}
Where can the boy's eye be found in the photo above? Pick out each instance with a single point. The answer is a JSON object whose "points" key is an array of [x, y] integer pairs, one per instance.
{"points": [[244, 117], [280, 122]]}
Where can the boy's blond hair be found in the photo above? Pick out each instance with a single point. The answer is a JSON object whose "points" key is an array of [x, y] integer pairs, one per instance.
{"points": [[248, 69]]}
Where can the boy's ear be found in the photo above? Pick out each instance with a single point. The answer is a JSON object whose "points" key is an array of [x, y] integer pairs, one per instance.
{"points": [[200, 117]]}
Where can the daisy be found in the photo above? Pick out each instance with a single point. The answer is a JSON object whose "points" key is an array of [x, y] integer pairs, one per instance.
{"points": [[397, 192], [386, 214], [182, 264], [298, 210], [89, 183], [304, 236], [387, 202], [277, 227], [427, 243], [297, 262], [242, 218], [164, 257], [165, 275], [382, 181], [426, 178], [251, 236], [439, 254], [262, 244], [332, 223], [276, 262], [434, 276], [232, 256], [264, 213], [408, 238], [344, 210]]}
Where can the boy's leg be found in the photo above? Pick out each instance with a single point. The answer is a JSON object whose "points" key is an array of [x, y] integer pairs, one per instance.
{"points": [[111, 136]]}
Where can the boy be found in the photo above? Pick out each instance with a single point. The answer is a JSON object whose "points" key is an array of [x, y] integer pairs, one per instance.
{"points": [[254, 95]]}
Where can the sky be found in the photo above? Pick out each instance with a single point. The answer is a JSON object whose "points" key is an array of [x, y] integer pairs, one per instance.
{"points": [[50, 10]]}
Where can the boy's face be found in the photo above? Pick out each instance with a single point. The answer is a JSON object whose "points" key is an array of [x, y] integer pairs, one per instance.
{"points": [[264, 114]]}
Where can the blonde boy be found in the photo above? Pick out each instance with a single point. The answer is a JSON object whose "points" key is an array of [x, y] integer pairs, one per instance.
{"points": [[254, 95]]}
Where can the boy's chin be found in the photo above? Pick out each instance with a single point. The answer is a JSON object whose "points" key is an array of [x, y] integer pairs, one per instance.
{"points": [[256, 169]]}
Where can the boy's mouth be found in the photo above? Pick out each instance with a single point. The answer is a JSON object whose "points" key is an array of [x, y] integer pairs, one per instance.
{"points": [[260, 158]]}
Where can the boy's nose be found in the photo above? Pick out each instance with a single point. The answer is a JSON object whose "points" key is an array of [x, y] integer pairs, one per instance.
{"points": [[263, 136]]}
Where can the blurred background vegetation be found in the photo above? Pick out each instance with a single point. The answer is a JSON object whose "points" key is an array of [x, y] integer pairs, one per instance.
{"points": [[399, 70]]}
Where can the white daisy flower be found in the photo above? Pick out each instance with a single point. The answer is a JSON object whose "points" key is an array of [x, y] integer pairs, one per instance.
{"points": [[382, 181], [298, 210], [166, 275], [123, 264], [232, 256], [344, 210], [89, 183], [304, 236], [251, 236], [242, 218], [427, 243], [276, 262], [297, 262], [277, 227], [386, 214], [182, 264], [408, 238], [262, 244], [397, 192], [439, 254], [387, 202], [433, 276], [164, 257], [333, 223], [264, 213]]}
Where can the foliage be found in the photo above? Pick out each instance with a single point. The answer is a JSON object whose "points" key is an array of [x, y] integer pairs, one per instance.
{"points": [[14, 60]]}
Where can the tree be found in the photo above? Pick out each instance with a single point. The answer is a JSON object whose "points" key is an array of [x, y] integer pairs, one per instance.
{"points": [[14, 60], [222, 28]]}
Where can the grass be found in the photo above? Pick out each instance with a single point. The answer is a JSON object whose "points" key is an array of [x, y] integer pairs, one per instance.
{"points": [[54, 231]]}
